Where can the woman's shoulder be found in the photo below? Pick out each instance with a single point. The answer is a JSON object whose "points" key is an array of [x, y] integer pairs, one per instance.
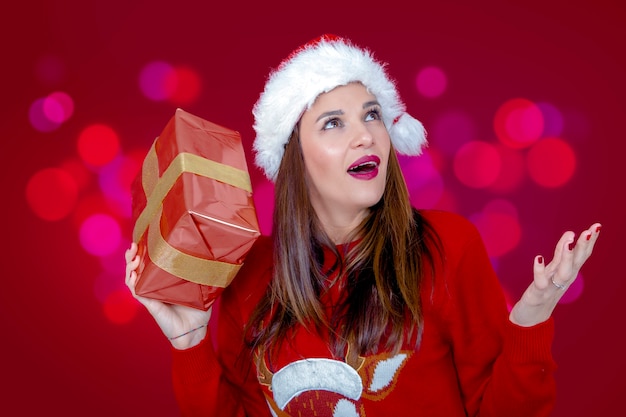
{"points": [[256, 270], [453, 233], [446, 223]]}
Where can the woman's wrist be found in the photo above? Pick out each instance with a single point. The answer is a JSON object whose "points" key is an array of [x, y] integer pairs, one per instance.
{"points": [[189, 338], [526, 315]]}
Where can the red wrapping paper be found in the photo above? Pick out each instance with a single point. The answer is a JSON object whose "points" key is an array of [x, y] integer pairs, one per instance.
{"points": [[194, 215]]}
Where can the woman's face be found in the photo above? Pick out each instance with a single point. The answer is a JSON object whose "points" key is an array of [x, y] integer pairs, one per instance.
{"points": [[346, 149]]}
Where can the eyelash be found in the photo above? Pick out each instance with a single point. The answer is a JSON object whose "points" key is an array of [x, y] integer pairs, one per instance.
{"points": [[376, 111], [330, 120], [337, 121]]}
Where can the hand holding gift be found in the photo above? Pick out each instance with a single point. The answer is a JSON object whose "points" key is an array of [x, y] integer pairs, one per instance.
{"points": [[184, 326], [194, 215]]}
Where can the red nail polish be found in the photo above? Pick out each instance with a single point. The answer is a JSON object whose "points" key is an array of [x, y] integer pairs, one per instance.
{"points": [[540, 259], [589, 237], [570, 246], [598, 229]]}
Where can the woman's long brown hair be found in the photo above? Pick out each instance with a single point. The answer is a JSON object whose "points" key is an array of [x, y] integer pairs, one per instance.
{"points": [[384, 270]]}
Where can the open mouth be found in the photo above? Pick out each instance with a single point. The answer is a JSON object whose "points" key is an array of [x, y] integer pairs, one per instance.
{"points": [[363, 168]]}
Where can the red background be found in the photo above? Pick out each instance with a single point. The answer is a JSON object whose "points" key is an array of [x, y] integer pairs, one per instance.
{"points": [[61, 354]]}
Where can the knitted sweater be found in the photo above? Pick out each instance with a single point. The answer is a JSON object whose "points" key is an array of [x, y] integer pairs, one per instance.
{"points": [[472, 361]]}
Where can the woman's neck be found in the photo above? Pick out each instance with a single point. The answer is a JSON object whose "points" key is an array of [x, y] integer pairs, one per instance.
{"points": [[342, 232], [340, 223]]}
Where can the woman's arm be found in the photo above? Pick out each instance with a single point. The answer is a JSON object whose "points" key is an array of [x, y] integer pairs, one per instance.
{"points": [[197, 374], [504, 367]]}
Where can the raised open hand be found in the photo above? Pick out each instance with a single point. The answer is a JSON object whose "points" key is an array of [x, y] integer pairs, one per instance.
{"points": [[552, 280]]}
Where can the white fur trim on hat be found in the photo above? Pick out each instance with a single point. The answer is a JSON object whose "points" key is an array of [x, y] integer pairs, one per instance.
{"points": [[316, 68]]}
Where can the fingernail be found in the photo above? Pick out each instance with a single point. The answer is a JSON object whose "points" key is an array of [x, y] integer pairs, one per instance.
{"points": [[540, 259], [570, 246], [598, 229], [589, 237]]}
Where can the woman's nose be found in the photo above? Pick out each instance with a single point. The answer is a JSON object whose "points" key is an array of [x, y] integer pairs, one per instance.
{"points": [[362, 136]]}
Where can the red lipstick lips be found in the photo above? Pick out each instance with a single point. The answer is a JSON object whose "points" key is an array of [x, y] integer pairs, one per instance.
{"points": [[365, 168]]}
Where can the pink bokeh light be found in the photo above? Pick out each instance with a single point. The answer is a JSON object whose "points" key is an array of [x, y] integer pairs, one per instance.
{"points": [[51, 193], [98, 144], [518, 123], [450, 130], [77, 169], [551, 162], [156, 80], [431, 82], [39, 119], [186, 85], [424, 181], [120, 307], [574, 291], [553, 122], [499, 227], [477, 164], [58, 107], [90, 203], [115, 180], [100, 234], [160, 80], [111, 263]]}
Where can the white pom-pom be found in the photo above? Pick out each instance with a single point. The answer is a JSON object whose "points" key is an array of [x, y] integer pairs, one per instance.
{"points": [[408, 135]]}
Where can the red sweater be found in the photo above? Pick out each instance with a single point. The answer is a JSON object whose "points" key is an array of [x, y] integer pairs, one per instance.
{"points": [[472, 360]]}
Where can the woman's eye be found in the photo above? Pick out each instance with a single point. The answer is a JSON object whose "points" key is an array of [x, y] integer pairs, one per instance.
{"points": [[373, 114], [331, 124]]}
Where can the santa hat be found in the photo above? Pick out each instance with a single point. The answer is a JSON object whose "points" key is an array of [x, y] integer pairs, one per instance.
{"points": [[315, 68]]}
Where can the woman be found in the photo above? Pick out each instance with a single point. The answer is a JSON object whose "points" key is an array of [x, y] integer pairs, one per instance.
{"points": [[359, 305]]}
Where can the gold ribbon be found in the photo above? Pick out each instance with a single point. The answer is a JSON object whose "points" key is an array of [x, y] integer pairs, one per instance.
{"points": [[188, 267], [150, 170]]}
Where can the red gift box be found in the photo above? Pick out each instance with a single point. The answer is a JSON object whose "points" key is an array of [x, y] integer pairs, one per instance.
{"points": [[194, 215]]}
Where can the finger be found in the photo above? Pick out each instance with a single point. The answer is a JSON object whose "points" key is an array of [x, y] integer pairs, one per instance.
{"points": [[562, 246], [585, 244], [131, 282], [576, 255], [130, 252], [560, 249], [131, 267], [129, 271], [539, 272], [561, 266]]}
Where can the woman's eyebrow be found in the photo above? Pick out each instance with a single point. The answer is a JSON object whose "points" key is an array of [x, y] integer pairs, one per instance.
{"points": [[340, 112], [329, 113]]}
